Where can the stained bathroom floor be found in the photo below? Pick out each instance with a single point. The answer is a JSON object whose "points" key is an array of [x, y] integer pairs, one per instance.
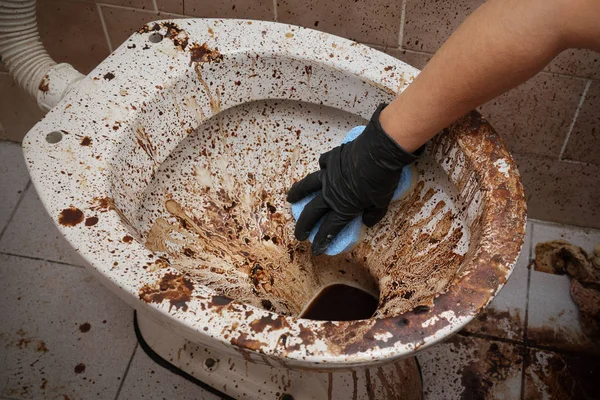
{"points": [[64, 336]]}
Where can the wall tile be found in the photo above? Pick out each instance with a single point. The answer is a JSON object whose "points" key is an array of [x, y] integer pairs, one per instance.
{"points": [[143, 4], [535, 117], [414, 58], [577, 62], [72, 32], [584, 142], [18, 112], [427, 24], [122, 23], [172, 6], [247, 9], [560, 191], [376, 21]]}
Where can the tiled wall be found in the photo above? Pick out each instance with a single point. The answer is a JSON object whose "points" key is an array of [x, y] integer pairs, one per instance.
{"points": [[551, 123]]}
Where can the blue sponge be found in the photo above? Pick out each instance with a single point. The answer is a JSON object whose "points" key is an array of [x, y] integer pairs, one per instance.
{"points": [[353, 232]]}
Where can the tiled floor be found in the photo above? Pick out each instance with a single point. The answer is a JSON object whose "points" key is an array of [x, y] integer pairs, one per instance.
{"points": [[64, 336]]}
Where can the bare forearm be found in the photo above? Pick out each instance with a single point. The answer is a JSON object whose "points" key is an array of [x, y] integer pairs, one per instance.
{"points": [[501, 45]]}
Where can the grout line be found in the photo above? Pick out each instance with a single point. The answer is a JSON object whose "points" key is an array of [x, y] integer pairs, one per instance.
{"points": [[143, 10], [402, 19], [275, 16], [568, 161], [533, 346], [558, 224], [490, 337], [526, 320], [40, 259], [583, 78], [581, 101], [104, 28], [523, 369], [15, 208], [126, 371]]}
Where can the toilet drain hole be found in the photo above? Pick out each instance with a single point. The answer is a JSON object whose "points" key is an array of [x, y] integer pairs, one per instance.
{"points": [[155, 37], [54, 137], [286, 396]]}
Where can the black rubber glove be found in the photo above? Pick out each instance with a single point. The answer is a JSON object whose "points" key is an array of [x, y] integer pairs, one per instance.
{"points": [[357, 177]]}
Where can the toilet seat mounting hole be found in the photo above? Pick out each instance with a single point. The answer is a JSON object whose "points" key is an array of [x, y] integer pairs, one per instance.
{"points": [[54, 137], [155, 37], [210, 364]]}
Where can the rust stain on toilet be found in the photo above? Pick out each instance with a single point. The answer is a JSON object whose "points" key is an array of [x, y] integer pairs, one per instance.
{"points": [[86, 141], [70, 216], [202, 54], [44, 84], [173, 287]]}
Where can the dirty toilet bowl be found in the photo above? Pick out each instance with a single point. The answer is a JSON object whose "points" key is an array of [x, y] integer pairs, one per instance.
{"points": [[166, 168]]}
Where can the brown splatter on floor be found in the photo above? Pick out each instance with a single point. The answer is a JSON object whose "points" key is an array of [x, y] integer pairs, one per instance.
{"points": [[70, 216], [501, 324], [85, 327], [109, 76], [79, 368], [173, 287], [86, 141], [556, 376], [562, 338]]}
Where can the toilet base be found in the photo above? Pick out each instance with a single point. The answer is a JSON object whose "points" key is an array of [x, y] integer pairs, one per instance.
{"points": [[237, 378]]}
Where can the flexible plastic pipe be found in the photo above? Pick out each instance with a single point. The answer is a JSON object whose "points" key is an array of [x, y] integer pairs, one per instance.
{"points": [[26, 58]]}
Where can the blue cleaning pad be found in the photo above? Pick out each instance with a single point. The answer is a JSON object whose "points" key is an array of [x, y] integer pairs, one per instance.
{"points": [[352, 233]]}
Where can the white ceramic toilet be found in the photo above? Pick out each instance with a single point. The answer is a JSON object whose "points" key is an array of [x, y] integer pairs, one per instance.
{"points": [[167, 168]]}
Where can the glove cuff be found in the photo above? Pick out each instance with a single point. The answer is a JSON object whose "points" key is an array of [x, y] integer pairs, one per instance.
{"points": [[385, 150]]}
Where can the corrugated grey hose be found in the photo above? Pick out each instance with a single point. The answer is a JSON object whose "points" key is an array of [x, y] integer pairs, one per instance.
{"points": [[26, 58]]}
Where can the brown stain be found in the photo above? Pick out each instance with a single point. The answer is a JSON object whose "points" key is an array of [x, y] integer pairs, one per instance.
{"points": [[219, 230], [487, 365], [109, 76], [561, 337], [102, 204], [44, 84], [329, 386], [244, 342], [563, 376], [178, 36], [79, 368], [91, 221], [70, 216], [153, 27], [85, 327], [496, 323], [86, 141], [261, 324], [44, 383], [173, 287], [41, 348], [354, 386], [127, 239], [369, 385], [221, 300], [143, 140], [204, 54], [289, 35]]}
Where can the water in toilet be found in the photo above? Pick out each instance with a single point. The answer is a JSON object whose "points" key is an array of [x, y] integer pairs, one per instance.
{"points": [[216, 210]]}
